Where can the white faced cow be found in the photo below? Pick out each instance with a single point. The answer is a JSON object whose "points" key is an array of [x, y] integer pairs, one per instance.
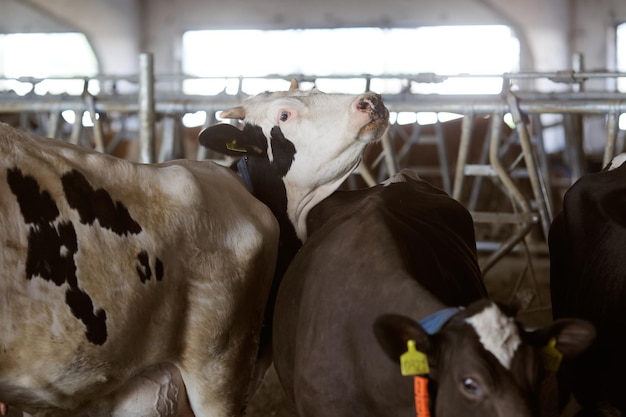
{"points": [[115, 273], [386, 265], [294, 153], [588, 280]]}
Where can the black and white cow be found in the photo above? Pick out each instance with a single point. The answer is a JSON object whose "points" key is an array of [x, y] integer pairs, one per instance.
{"points": [[291, 171], [588, 280], [110, 268], [385, 265], [127, 288]]}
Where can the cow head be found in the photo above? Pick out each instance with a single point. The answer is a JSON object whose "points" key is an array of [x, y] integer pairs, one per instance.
{"points": [[299, 146], [482, 362]]}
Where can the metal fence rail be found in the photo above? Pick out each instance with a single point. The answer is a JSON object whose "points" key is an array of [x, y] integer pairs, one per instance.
{"points": [[528, 208]]}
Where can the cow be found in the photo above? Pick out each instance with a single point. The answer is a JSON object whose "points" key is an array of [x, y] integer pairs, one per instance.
{"points": [[115, 273], [110, 268], [393, 263], [587, 241], [286, 173]]}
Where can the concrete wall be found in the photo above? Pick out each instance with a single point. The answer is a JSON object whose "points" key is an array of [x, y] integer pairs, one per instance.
{"points": [[550, 31]]}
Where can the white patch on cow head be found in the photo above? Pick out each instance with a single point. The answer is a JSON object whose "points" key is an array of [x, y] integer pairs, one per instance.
{"points": [[497, 332], [328, 132], [617, 161]]}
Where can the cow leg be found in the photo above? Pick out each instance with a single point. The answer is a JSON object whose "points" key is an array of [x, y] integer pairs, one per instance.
{"points": [[157, 392], [219, 396], [218, 376]]}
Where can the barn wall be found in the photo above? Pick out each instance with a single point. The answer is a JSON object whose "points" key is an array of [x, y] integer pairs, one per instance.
{"points": [[592, 26], [120, 29]]}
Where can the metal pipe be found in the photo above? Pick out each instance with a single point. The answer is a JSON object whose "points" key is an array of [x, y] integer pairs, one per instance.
{"points": [[464, 145], [565, 76], [494, 159], [89, 101], [479, 104], [529, 158], [442, 154], [146, 108], [611, 130], [578, 65], [390, 158]]}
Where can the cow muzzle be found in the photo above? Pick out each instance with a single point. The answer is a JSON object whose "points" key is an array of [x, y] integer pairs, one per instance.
{"points": [[373, 104]]}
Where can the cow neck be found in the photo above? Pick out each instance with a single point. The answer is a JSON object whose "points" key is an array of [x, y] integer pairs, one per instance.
{"points": [[267, 185], [301, 200], [433, 323], [261, 179]]}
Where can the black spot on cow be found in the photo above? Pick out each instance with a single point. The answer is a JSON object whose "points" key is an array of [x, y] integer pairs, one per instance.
{"points": [[52, 244], [82, 307], [98, 205], [158, 269], [51, 253], [143, 267], [36, 206], [145, 271], [284, 151]]}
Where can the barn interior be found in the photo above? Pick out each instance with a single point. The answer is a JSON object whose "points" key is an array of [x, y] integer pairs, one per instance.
{"points": [[502, 103]]}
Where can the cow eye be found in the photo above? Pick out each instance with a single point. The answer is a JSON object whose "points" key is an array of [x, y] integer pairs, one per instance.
{"points": [[472, 388], [284, 116]]}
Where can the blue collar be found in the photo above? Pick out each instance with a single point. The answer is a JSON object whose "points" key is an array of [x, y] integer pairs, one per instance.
{"points": [[433, 323], [242, 167]]}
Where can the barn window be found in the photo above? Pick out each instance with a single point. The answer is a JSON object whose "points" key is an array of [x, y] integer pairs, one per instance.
{"points": [[46, 55], [338, 58]]}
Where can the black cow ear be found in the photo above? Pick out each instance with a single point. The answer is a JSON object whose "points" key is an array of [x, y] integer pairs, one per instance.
{"points": [[571, 336], [228, 140], [394, 331]]}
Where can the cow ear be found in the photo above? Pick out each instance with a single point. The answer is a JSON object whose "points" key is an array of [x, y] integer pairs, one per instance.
{"points": [[394, 331], [572, 336], [228, 140], [234, 113]]}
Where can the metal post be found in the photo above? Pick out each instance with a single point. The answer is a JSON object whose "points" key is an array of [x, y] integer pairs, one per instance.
{"points": [[146, 108], [390, 158], [612, 127], [545, 213], [464, 144], [574, 128]]}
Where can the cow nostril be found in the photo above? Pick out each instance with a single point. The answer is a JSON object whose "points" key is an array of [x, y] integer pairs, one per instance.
{"points": [[363, 104]]}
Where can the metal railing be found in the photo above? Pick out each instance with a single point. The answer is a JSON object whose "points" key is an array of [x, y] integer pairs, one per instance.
{"points": [[528, 209]]}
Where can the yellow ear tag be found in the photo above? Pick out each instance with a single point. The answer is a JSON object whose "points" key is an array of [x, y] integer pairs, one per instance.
{"points": [[232, 146], [413, 362], [551, 356]]}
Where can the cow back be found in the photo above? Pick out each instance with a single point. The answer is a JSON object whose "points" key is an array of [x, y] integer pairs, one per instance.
{"points": [[587, 271], [403, 247], [110, 267]]}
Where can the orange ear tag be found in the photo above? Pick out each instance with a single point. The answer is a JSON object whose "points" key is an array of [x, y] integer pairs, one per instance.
{"points": [[551, 356], [413, 362], [420, 387]]}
